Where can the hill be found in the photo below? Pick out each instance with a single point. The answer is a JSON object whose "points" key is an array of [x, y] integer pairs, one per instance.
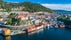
{"points": [[33, 7], [28, 6], [62, 11]]}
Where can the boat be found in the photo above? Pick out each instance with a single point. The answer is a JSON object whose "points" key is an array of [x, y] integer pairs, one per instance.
{"points": [[17, 33], [40, 27], [62, 26], [34, 28], [1, 31], [4, 31], [31, 28], [56, 25]]}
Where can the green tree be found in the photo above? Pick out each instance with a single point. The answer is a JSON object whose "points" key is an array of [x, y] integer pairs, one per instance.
{"points": [[12, 20], [12, 15], [8, 9], [0, 16]]}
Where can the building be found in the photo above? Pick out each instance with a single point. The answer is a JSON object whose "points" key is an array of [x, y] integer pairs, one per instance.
{"points": [[23, 15]]}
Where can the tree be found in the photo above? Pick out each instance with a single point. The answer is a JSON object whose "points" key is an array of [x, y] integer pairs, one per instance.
{"points": [[1, 1], [12, 15], [0, 16], [8, 9], [12, 20], [2, 4]]}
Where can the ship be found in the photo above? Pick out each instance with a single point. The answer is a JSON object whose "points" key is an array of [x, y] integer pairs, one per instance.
{"points": [[62, 26], [17, 32], [4, 31], [35, 27], [1, 31]]}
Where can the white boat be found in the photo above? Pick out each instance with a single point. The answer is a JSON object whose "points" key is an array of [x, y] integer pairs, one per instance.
{"points": [[40, 27], [1, 31], [17, 32]]}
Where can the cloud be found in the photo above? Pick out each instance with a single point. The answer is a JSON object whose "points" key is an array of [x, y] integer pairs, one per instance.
{"points": [[58, 6]]}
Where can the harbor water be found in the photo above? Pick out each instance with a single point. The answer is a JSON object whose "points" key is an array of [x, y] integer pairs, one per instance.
{"points": [[43, 34]]}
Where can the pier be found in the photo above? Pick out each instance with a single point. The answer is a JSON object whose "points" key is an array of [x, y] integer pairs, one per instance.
{"points": [[15, 29]]}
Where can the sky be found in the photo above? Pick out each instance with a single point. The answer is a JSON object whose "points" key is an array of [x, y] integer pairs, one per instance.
{"points": [[52, 4]]}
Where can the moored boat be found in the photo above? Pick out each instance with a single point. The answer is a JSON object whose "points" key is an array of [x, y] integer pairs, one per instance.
{"points": [[31, 28], [17, 32], [56, 25], [62, 26], [5, 31], [1, 31], [35, 27]]}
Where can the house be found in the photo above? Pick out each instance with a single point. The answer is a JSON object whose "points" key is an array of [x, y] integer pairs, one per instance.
{"points": [[17, 9], [2, 9], [23, 15], [1, 19]]}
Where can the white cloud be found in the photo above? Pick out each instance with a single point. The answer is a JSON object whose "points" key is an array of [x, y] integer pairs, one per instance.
{"points": [[58, 6]]}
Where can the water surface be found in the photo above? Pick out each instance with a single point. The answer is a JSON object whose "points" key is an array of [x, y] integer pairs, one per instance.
{"points": [[51, 34]]}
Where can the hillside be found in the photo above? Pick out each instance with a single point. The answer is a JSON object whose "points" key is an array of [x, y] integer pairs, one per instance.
{"points": [[28, 6], [33, 7]]}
